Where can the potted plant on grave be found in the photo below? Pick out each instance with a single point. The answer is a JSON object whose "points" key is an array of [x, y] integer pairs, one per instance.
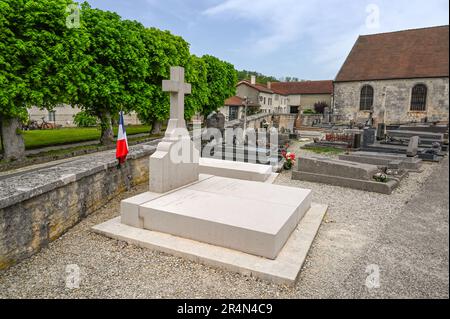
{"points": [[380, 177], [289, 159]]}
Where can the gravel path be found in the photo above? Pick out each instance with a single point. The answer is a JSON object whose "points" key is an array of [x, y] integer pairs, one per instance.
{"points": [[405, 234]]}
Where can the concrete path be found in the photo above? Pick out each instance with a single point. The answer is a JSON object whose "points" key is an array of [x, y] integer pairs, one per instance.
{"points": [[411, 252]]}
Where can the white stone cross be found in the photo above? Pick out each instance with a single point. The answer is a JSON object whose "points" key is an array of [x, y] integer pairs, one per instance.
{"points": [[177, 89]]}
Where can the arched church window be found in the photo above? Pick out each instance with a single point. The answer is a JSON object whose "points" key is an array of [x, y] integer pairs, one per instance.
{"points": [[419, 98], [366, 99]]}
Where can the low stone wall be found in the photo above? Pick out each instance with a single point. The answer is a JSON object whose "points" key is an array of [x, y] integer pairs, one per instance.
{"points": [[310, 119], [38, 207], [285, 120]]}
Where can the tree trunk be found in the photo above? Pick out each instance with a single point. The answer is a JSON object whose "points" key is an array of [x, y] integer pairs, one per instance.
{"points": [[12, 140], [107, 135], [156, 127]]}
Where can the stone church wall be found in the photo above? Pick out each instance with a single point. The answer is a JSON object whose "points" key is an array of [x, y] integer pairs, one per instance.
{"points": [[398, 100]]}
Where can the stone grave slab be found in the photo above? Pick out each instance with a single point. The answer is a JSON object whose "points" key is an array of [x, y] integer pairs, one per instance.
{"points": [[282, 270], [251, 217], [329, 166], [342, 173], [394, 161], [238, 170], [238, 224]]}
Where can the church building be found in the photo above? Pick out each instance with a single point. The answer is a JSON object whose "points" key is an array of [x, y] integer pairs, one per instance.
{"points": [[401, 77]]}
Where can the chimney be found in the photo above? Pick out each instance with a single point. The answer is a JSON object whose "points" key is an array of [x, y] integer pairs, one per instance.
{"points": [[253, 80], [269, 85]]}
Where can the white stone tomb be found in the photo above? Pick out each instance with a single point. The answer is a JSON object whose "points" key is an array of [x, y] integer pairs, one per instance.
{"points": [[246, 226]]}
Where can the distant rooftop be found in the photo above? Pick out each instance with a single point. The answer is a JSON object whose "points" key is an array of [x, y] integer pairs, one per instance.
{"points": [[293, 88]]}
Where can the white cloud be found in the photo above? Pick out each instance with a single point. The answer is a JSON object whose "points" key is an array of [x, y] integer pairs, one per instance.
{"points": [[324, 30], [276, 21]]}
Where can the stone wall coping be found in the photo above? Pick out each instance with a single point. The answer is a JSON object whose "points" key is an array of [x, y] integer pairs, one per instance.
{"points": [[34, 183], [257, 117]]}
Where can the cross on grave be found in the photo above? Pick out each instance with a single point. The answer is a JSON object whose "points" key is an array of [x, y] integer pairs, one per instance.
{"points": [[177, 89]]}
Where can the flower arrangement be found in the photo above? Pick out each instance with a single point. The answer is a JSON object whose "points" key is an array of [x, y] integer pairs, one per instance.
{"points": [[380, 177], [289, 159]]}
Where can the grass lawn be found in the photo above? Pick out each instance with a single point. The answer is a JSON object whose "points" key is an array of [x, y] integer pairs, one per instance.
{"points": [[42, 138], [325, 150]]}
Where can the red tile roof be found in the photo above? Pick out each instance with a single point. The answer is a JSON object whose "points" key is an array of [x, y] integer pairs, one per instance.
{"points": [[417, 53], [237, 101], [288, 88], [304, 87], [234, 101], [257, 86]]}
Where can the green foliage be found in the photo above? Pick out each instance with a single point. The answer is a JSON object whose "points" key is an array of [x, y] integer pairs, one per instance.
{"points": [[104, 66], [83, 119], [309, 111], [42, 138], [221, 79], [319, 107], [290, 79], [115, 68], [38, 55], [162, 50], [197, 75], [325, 150], [261, 78]]}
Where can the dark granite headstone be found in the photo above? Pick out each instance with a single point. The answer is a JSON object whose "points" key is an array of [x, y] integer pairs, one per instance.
{"points": [[216, 120], [380, 131], [368, 136], [356, 141]]}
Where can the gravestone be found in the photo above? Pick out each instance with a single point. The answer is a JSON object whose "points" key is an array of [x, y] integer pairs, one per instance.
{"points": [[368, 136], [381, 131], [336, 172], [216, 120], [384, 159], [326, 115], [356, 141], [231, 223], [413, 146], [175, 162], [333, 167]]}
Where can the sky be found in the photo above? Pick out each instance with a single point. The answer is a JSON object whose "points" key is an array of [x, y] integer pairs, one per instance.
{"points": [[307, 39]]}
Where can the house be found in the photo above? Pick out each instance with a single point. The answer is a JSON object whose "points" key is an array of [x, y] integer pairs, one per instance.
{"points": [[399, 76], [277, 97], [234, 108], [303, 95], [63, 115]]}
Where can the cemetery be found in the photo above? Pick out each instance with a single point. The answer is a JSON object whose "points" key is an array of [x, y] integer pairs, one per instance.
{"points": [[174, 215], [284, 191], [173, 206]]}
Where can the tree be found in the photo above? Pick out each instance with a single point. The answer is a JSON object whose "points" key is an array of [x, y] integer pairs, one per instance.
{"points": [[221, 79], [197, 76], [39, 56], [260, 78], [115, 71], [162, 50]]}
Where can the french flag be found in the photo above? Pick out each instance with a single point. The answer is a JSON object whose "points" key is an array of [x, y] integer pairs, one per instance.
{"points": [[122, 142]]}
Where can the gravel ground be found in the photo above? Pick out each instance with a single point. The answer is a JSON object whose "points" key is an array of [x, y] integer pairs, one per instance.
{"points": [[405, 234]]}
